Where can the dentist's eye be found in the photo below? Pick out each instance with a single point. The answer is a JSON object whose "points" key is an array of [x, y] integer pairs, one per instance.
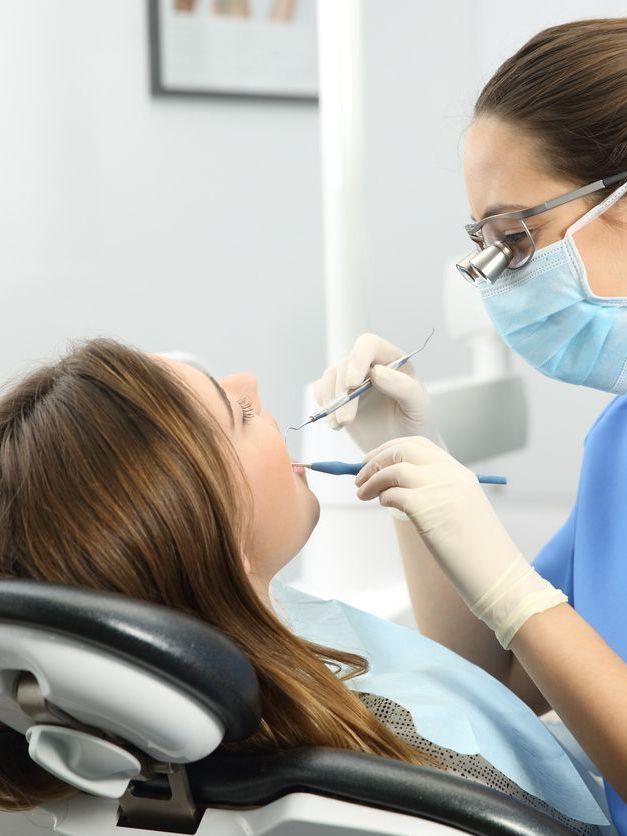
{"points": [[514, 237], [248, 413]]}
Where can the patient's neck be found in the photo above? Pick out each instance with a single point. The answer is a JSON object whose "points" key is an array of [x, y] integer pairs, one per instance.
{"points": [[261, 585]]}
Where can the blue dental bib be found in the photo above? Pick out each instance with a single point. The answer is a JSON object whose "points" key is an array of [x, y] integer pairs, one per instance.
{"points": [[453, 703]]}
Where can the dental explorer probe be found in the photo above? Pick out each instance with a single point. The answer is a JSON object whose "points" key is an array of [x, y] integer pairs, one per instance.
{"points": [[350, 469], [351, 394]]}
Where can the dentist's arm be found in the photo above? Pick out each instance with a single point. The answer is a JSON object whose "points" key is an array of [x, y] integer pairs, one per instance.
{"points": [[584, 681], [442, 615], [397, 406], [578, 673]]}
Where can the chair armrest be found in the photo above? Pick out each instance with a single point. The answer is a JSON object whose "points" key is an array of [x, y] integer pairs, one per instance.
{"points": [[240, 780]]}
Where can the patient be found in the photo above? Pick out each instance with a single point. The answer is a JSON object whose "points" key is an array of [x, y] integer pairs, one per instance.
{"points": [[142, 475]]}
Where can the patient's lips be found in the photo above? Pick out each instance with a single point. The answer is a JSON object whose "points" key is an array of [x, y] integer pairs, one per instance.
{"points": [[299, 471]]}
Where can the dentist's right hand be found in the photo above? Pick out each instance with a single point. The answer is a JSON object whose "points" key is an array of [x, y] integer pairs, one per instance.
{"points": [[396, 406], [448, 508]]}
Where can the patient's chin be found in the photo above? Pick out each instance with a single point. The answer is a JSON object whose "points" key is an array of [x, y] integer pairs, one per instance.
{"points": [[313, 515], [316, 513]]}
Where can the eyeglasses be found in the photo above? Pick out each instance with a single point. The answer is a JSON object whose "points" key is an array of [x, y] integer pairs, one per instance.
{"points": [[504, 240]]}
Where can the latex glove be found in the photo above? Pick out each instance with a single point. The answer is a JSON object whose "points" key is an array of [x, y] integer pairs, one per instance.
{"points": [[452, 514], [397, 405]]}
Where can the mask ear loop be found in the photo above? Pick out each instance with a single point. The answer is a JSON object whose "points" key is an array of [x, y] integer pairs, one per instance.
{"points": [[597, 210], [572, 253]]}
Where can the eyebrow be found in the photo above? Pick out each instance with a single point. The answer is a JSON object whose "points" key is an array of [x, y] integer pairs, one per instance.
{"points": [[224, 397], [500, 207]]}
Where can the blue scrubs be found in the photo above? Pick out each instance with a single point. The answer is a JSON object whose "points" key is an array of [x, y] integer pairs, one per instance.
{"points": [[587, 557]]}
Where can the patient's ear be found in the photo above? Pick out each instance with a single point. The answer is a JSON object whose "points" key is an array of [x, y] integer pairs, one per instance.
{"points": [[257, 582]]}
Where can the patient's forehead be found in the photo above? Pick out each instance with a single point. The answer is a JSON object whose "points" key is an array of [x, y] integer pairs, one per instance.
{"points": [[202, 385]]}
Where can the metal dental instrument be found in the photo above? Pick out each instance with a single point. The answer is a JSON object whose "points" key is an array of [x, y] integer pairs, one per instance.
{"points": [[351, 394], [352, 469]]}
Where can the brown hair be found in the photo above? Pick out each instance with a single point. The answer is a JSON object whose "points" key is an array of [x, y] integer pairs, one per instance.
{"points": [[567, 87], [114, 476]]}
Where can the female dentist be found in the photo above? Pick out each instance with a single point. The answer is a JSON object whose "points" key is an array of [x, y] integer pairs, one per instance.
{"points": [[545, 164]]}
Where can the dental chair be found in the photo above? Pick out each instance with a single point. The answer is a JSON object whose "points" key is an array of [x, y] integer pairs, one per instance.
{"points": [[129, 703]]}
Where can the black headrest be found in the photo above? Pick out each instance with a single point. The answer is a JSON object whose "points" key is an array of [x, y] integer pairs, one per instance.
{"points": [[179, 648]]}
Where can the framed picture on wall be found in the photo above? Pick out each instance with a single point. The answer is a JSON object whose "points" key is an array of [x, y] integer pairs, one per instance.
{"points": [[260, 48]]}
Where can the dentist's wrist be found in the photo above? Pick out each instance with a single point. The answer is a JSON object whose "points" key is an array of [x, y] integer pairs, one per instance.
{"points": [[518, 594], [398, 515]]}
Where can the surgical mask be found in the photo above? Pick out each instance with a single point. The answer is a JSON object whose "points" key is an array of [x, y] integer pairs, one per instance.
{"points": [[546, 313]]}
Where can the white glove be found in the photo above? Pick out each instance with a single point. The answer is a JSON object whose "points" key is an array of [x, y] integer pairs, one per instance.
{"points": [[450, 511], [397, 405]]}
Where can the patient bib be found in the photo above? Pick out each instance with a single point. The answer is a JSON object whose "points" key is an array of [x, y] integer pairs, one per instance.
{"points": [[453, 703]]}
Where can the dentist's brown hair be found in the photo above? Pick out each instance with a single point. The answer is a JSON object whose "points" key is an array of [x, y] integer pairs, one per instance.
{"points": [[115, 476], [567, 87]]}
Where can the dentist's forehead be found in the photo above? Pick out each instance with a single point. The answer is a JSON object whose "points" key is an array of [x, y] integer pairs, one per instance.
{"points": [[502, 169]]}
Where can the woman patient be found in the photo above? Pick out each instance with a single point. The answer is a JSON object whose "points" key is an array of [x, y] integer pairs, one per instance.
{"points": [[142, 475]]}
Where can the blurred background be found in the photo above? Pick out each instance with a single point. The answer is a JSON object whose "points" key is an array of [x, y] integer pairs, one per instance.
{"points": [[195, 222]]}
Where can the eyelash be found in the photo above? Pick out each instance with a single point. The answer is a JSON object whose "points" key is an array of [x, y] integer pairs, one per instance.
{"points": [[247, 408]]}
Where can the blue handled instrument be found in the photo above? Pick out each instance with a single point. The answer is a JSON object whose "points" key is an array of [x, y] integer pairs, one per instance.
{"points": [[352, 469]]}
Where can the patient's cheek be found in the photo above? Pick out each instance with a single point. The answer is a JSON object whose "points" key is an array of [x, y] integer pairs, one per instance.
{"points": [[269, 478]]}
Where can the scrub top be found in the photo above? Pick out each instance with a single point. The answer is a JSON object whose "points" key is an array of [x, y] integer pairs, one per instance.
{"points": [[587, 557]]}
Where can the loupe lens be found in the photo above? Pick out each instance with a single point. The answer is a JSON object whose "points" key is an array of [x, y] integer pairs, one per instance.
{"points": [[467, 270], [514, 235], [486, 265]]}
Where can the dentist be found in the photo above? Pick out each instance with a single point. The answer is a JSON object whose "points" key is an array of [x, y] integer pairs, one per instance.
{"points": [[545, 165]]}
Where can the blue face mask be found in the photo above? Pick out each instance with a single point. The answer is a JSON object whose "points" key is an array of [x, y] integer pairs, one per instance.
{"points": [[546, 312]]}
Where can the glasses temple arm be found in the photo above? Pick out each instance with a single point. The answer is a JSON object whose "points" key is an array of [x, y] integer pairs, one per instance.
{"points": [[584, 190], [609, 181], [550, 204], [566, 198]]}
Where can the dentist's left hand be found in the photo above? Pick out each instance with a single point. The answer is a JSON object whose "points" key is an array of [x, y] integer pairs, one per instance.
{"points": [[397, 405], [450, 511]]}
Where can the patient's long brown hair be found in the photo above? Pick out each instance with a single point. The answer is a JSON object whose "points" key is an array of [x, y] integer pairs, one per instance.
{"points": [[114, 476]]}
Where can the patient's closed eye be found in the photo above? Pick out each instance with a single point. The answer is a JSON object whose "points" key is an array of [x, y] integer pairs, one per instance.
{"points": [[248, 412]]}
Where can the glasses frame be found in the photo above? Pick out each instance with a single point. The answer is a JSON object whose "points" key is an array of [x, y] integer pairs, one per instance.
{"points": [[474, 229]]}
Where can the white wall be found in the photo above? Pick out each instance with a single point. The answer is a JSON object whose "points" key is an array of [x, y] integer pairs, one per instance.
{"points": [[166, 223]]}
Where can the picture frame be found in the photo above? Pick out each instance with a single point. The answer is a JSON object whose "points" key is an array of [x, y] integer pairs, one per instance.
{"points": [[263, 49]]}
